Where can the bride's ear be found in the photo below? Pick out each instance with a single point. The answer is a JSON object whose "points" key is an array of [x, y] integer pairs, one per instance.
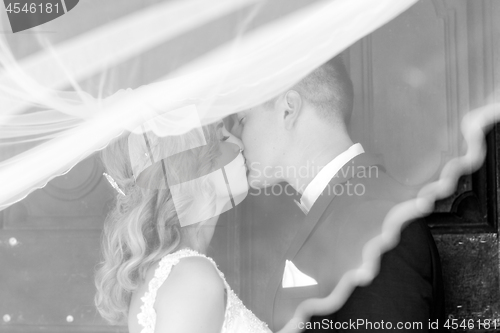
{"points": [[290, 105]]}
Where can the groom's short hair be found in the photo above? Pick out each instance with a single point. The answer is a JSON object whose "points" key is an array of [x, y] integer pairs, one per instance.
{"points": [[329, 89]]}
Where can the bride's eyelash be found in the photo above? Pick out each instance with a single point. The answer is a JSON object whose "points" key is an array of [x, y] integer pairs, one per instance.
{"points": [[240, 121], [224, 138]]}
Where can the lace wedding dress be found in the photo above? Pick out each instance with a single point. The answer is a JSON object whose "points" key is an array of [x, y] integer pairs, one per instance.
{"points": [[237, 318]]}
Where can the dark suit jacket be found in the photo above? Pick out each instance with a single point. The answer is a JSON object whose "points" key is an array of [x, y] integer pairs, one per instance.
{"points": [[408, 288]]}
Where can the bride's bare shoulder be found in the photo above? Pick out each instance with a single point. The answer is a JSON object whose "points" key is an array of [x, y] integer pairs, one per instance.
{"points": [[192, 298], [193, 285], [193, 272]]}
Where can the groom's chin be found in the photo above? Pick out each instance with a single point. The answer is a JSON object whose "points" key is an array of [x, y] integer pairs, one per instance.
{"points": [[258, 183]]}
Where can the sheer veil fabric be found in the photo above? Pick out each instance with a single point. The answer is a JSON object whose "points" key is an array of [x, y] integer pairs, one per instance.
{"points": [[70, 94], [217, 82]]}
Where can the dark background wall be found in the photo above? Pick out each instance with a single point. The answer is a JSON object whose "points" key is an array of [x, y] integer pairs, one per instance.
{"points": [[440, 59]]}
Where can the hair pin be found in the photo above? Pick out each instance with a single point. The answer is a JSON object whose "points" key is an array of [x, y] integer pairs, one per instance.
{"points": [[113, 183]]}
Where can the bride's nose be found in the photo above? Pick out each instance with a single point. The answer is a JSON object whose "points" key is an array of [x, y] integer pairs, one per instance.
{"points": [[232, 138]]}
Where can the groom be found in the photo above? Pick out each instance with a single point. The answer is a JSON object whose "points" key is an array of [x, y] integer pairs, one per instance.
{"points": [[344, 199]]}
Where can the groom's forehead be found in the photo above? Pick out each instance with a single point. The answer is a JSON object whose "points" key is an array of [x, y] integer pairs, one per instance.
{"points": [[246, 113], [238, 115]]}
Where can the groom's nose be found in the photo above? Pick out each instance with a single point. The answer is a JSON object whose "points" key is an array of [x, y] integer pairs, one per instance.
{"points": [[232, 138], [233, 126], [236, 131]]}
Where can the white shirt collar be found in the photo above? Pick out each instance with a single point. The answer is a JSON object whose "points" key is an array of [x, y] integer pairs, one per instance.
{"points": [[321, 180]]}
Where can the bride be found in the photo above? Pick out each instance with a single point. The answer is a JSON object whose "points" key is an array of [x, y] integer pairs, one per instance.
{"points": [[155, 274]]}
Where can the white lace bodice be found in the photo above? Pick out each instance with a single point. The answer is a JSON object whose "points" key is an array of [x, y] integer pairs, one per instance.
{"points": [[237, 319]]}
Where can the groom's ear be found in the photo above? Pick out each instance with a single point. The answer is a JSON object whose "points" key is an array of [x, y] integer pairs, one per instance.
{"points": [[290, 105]]}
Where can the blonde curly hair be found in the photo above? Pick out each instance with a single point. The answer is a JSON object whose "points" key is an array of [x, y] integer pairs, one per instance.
{"points": [[143, 226]]}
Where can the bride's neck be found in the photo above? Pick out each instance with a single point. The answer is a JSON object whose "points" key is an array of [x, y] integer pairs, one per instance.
{"points": [[189, 245], [198, 236]]}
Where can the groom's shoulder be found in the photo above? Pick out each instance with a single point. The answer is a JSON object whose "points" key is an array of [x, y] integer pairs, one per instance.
{"points": [[368, 193], [370, 181]]}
